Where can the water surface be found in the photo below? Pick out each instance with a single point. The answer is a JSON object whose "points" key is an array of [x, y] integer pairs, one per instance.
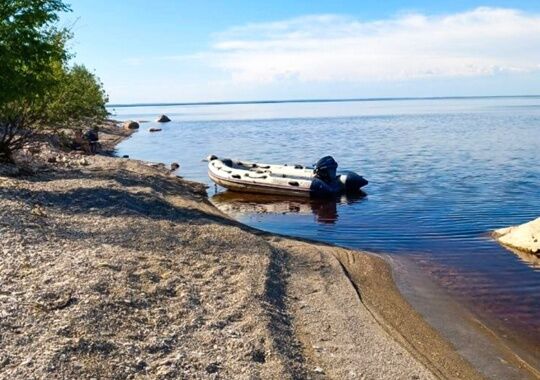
{"points": [[443, 174]]}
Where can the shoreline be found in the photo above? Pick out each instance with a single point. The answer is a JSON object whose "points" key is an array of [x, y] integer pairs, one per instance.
{"points": [[336, 100], [395, 284], [479, 341], [320, 310]]}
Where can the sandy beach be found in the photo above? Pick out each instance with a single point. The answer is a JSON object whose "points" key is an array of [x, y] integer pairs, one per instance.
{"points": [[292, 190], [117, 268]]}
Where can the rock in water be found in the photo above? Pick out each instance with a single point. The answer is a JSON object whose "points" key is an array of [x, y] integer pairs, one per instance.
{"points": [[130, 124], [154, 130], [163, 119], [525, 237], [174, 166]]}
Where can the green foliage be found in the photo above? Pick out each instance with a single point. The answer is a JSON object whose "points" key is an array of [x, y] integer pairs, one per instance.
{"points": [[38, 90], [78, 96], [29, 45]]}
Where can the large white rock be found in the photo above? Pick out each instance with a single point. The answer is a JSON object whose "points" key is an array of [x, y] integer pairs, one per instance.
{"points": [[525, 237]]}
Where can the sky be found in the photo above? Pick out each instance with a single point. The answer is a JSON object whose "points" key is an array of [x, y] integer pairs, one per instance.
{"points": [[190, 51]]}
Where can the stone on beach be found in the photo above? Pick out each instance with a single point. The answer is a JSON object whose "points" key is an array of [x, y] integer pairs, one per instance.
{"points": [[163, 119], [130, 124], [525, 237]]}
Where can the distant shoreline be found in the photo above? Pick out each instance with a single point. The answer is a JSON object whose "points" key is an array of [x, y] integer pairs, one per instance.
{"points": [[342, 100]]}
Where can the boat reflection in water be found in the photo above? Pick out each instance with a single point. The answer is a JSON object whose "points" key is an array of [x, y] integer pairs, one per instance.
{"points": [[325, 210]]}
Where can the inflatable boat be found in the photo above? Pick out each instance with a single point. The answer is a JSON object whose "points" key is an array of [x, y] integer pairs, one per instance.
{"points": [[322, 180]]}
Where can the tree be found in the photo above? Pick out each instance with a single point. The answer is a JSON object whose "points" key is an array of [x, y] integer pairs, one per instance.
{"points": [[78, 97], [38, 90], [30, 47], [30, 43]]}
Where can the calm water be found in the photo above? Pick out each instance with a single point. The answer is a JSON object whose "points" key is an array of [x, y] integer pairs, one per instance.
{"points": [[443, 173]]}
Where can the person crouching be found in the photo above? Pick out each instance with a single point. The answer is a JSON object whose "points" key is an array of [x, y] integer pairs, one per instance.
{"points": [[80, 142], [92, 136]]}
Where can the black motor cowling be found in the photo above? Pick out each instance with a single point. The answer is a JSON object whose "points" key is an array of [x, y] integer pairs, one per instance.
{"points": [[325, 169]]}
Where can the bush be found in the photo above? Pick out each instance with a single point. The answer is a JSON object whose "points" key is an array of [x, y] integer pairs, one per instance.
{"points": [[78, 97], [30, 43], [39, 89]]}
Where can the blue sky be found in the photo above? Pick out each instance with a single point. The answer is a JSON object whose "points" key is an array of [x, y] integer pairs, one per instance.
{"points": [[166, 51]]}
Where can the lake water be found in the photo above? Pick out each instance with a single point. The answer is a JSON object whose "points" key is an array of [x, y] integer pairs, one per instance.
{"points": [[443, 173]]}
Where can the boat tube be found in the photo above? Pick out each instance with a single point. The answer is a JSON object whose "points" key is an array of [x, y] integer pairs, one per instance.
{"points": [[322, 180]]}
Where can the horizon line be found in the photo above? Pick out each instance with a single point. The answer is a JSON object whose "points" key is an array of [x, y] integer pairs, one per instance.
{"points": [[323, 100]]}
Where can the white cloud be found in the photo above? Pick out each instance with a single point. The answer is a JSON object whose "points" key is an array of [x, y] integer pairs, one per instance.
{"points": [[333, 48]]}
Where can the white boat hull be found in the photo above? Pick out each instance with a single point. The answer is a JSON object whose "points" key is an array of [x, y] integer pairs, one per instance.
{"points": [[290, 180], [259, 188]]}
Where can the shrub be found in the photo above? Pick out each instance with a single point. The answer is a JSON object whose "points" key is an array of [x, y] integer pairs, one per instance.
{"points": [[39, 90]]}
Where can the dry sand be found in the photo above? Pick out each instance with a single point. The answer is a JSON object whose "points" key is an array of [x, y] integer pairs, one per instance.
{"points": [[114, 268]]}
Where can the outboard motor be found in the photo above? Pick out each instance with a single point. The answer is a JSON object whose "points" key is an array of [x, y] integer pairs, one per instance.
{"points": [[325, 169], [328, 184], [325, 183]]}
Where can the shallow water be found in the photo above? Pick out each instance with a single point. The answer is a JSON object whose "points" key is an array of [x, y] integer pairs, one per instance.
{"points": [[443, 174]]}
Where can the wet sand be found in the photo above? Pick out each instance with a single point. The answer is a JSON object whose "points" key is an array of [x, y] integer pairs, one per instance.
{"points": [[479, 341]]}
